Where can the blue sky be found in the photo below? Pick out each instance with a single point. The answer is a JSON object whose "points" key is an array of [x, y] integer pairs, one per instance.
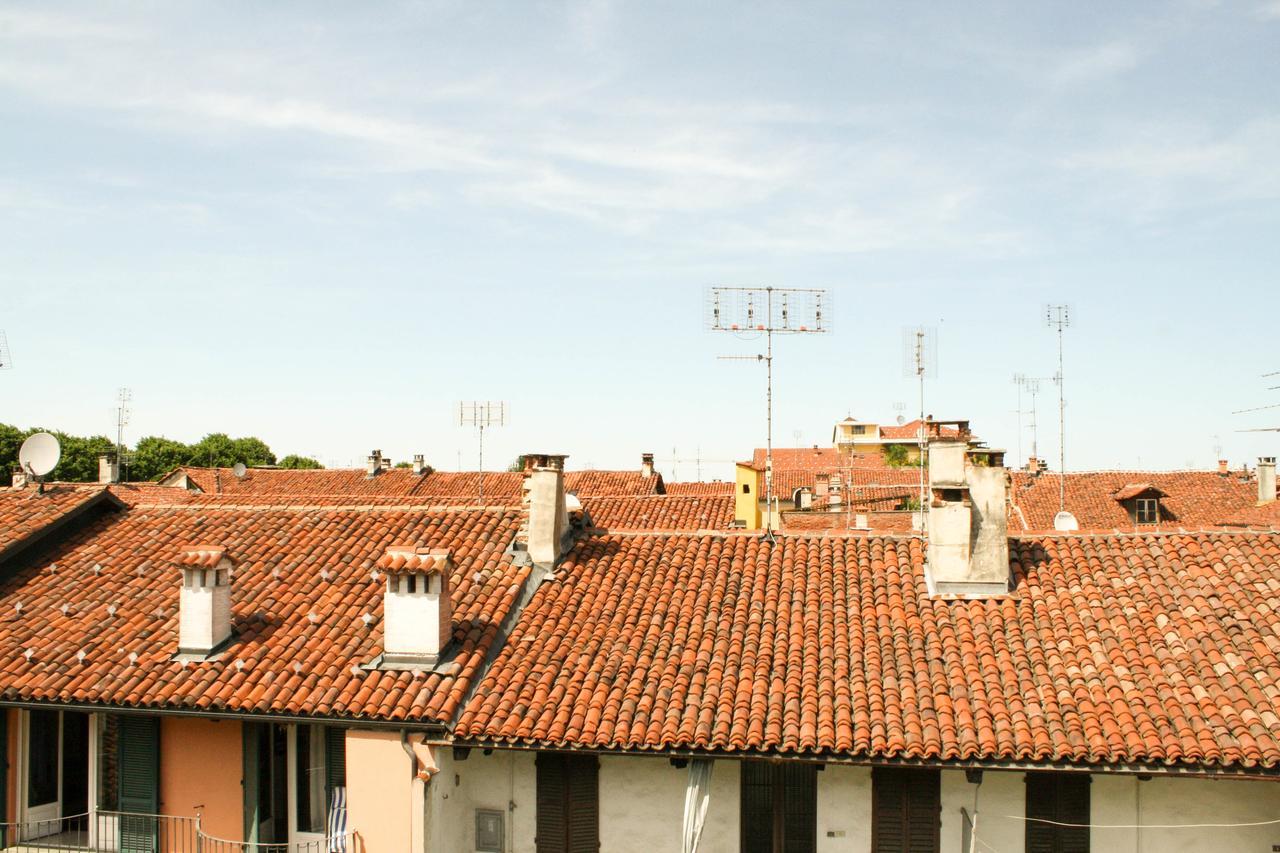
{"points": [[324, 224]]}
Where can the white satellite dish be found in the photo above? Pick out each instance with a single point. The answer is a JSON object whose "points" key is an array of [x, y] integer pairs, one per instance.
{"points": [[39, 454], [1065, 522], [901, 420], [239, 470]]}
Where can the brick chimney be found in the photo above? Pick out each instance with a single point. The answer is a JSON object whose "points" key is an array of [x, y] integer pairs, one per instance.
{"points": [[374, 466], [544, 530], [108, 469], [968, 547], [1266, 479], [417, 615], [646, 465], [204, 604]]}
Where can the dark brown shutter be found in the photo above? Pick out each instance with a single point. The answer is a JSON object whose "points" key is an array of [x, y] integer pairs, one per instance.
{"points": [[799, 808], [906, 810], [757, 807], [1062, 798], [568, 804]]}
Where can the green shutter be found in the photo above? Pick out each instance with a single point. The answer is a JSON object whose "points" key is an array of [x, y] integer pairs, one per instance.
{"points": [[250, 735], [335, 757], [138, 768]]}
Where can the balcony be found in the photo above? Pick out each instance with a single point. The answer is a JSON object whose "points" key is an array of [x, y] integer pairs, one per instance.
{"points": [[126, 832]]}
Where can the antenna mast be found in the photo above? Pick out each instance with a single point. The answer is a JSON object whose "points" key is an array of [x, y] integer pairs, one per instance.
{"points": [[767, 311], [6, 358], [920, 351], [480, 415], [123, 398], [1059, 317]]}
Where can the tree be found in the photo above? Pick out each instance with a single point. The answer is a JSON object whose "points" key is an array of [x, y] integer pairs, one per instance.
{"points": [[295, 461], [219, 450], [156, 455], [517, 466]]}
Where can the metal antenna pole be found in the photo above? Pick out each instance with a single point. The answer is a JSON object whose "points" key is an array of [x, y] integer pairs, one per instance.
{"points": [[768, 446], [481, 415], [1059, 317], [122, 419]]}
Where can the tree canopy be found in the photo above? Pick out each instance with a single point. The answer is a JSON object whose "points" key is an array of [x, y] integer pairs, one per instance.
{"points": [[151, 457]]}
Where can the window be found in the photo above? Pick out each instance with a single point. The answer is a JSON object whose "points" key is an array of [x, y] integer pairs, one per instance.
{"points": [[42, 758], [746, 488], [1147, 510], [779, 807], [1061, 798], [319, 766], [860, 429], [568, 804], [108, 762], [906, 810]]}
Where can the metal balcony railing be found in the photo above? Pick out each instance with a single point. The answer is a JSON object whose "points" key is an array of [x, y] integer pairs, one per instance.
{"points": [[129, 832]]}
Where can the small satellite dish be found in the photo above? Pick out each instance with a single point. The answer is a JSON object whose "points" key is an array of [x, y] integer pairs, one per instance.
{"points": [[239, 470], [1065, 522], [39, 454], [901, 420]]}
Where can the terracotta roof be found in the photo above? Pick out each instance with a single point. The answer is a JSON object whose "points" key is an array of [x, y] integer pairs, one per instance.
{"points": [[661, 512], [716, 487], [401, 482], [1118, 649], [150, 493], [27, 513], [588, 483], [1132, 490], [1192, 499], [202, 556], [878, 523], [1266, 517], [306, 604], [910, 430]]}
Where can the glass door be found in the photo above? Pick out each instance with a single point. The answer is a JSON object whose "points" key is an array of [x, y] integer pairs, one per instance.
{"points": [[43, 759]]}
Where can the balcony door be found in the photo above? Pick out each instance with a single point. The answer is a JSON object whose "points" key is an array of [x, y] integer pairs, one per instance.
{"points": [[55, 773]]}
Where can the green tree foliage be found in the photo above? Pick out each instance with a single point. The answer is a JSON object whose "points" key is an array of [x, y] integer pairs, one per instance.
{"points": [[152, 457], [293, 460], [517, 466]]}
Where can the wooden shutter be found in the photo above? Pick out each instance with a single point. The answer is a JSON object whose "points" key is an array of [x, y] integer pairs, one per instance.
{"points": [[1062, 798], [799, 812], [756, 821], [906, 810], [568, 804], [779, 808], [138, 772]]}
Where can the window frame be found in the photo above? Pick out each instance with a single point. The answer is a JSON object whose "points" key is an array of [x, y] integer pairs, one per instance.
{"points": [[1146, 510], [780, 816]]}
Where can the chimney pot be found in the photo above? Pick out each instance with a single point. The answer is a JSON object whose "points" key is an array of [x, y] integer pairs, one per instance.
{"points": [[204, 604], [1266, 479], [108, 469]]}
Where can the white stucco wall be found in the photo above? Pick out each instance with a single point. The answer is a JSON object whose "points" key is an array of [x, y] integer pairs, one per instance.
{"points": [[642, 802]]}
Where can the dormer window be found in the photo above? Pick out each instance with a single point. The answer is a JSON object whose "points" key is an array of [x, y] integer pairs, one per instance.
{"points": [[1147, 510]]}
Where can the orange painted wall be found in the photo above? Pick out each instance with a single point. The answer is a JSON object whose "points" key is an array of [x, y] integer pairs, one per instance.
{"points": [[380, 799], [201, 770]]}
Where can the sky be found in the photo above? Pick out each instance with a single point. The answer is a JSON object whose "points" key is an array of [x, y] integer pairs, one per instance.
{"points": [[325, 224]]}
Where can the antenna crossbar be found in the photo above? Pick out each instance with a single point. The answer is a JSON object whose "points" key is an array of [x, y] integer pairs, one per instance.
{"points": [[481, 415]]}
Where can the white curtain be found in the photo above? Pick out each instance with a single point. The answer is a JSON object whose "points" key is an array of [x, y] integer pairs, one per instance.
{"points": [[697, 797]]}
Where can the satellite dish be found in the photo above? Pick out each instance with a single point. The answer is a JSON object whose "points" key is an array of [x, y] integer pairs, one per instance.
{"points": [[901, 420], [239, 470], [1065, 522], [39, 454]]}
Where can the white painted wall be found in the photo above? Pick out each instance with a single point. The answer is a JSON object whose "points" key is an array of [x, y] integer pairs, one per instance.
{"points": [[642, 802]]}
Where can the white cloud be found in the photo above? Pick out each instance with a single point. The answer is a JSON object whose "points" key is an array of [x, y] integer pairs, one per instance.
{"points": [[1269, 11], [1096, 63], [45, 25]]}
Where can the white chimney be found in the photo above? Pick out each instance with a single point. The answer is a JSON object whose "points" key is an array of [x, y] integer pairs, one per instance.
{"points": [[646, 465], [374, 465], [419, 464], [418, 619], [1266, 479], [19, 479], [108, 469], [204, 605], [545, 527], [968, 528], [386, 463]]}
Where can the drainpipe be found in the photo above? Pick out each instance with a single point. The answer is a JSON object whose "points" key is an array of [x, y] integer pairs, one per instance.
{"points": [[421, 777]]}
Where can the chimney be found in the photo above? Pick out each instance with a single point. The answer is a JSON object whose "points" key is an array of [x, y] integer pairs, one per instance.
{"points": [[822, 487], [1266, 479], [1224, 467], [1033, 466], [386, 463], [418, 618], [108, 469], [374, 466], [646, 465], [968, 547], [19, 479], [204, 605], [419, 464], [545, 527]]}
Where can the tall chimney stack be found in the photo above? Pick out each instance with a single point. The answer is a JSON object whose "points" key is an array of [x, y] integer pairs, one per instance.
{"points": [[1266, 479], [968, 528], [374, 466], [545, 527], [108, 469], [419, 464]]}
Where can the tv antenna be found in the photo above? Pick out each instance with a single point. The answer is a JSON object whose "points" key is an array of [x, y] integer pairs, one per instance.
{"points": [[1270, 375], [482, 415], [1031, 386], [1058, 317], [6, 358], [123, 398], [748, 311], [920, 359], [38, 456]]}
